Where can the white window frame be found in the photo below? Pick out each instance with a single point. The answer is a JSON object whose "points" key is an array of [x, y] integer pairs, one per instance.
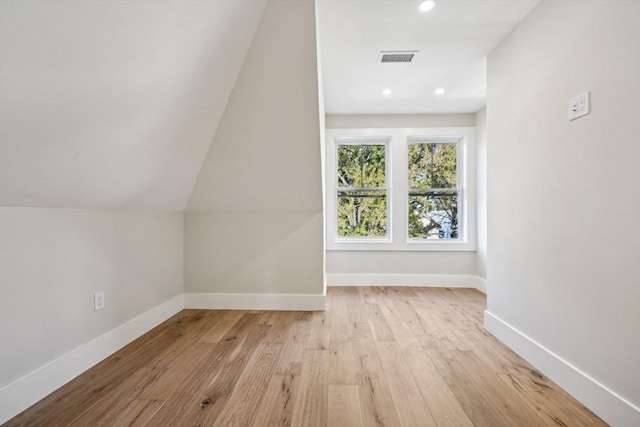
{"points": [[397, 142], [362, 141]]}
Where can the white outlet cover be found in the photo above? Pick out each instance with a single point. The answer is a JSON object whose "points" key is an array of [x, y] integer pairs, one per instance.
{"points": [[98, 301], [580, 105]]}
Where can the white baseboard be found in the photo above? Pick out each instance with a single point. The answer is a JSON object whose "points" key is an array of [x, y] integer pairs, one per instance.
{"points": [[418, 280], [215, 301], [19, 395], [612, 408], [480, 284]]}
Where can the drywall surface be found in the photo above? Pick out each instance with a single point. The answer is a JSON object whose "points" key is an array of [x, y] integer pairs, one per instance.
{"points": [[257, 204], [113, 104], [481, 193], [403, 262], [564, 196], [348, 121], [53, 260], [278, 252]]}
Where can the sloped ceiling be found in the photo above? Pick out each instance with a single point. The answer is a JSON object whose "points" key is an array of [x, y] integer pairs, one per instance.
{"points": [[266, 153], [114, 103]]}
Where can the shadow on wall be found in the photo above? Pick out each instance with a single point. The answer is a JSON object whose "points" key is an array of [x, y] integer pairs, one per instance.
{"points": [[253, 252]]}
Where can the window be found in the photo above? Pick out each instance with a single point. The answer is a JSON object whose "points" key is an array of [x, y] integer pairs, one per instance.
{"points": [[433, 190], [400, 189], [361, 190]]}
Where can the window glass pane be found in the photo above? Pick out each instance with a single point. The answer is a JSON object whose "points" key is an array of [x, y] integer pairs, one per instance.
{"points": [[362, 213], [361, 166], [432, 166], [433, 216]]}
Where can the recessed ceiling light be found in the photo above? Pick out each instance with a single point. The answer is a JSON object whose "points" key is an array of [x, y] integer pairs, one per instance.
{"points": [[426, 5], [439, 91], [386, 92]]}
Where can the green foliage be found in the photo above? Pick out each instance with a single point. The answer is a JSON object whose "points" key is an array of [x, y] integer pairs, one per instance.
{"points": [[362, 198], [361, 166], [362, 209], [362, 214], [433, 216], [432, 213], [432, 166]]}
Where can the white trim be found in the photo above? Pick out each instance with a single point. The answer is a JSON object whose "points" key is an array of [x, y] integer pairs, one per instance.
{"points": [[22, 393], [397, 188], [612, 408], [215, 301], [418, 280], [480, 284]]}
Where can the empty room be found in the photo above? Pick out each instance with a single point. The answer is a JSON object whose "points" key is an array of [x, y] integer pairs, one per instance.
{"points": [[331, 213]]}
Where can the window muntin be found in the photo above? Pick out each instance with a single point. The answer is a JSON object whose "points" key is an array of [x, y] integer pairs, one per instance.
{"points": [[362, 192], [433, 190]]}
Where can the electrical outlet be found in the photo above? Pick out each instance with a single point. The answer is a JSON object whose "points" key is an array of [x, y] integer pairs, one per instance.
{"points": [[98, 301], [579, 106]]}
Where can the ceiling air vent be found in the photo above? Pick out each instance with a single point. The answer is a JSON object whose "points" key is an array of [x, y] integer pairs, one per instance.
{"points": [[386, 57]]}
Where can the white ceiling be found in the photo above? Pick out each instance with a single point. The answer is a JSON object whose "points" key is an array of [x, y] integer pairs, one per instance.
{"points": [[453, 40], [114, 103]]}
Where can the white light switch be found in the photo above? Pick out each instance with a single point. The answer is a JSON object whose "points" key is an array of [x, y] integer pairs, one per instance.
{"points": [[579, 105]]}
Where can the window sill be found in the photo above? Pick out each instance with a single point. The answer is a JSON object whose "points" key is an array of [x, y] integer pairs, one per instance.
{"points": [[385, 245]]}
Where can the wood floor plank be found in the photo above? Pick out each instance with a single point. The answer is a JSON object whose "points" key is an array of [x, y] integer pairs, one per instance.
{"points": [[201, 396], [276, 407], [552, 405], [216, 396], [344, 406], [375, 397], [153, 382], [311, 401], [367, 294], [69, 402], [227, 318], [339, 322], [475, 387], [379, 324], [410, 406], [442, 403], [378, 356], [280, 326], [320, 331], [174, 371], [251, 387], [137, 413], [342, 365], [290, 361], [356, 306]]}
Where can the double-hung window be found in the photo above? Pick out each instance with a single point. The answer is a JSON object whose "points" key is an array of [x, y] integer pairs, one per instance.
{"points": [[361, 190], [433, 189], [400, 189]]}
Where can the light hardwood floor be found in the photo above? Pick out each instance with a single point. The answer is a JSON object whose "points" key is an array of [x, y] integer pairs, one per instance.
{"points": [[391, 356]]}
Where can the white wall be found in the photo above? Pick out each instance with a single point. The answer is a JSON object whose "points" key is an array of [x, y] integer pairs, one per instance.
{"points": [[400, 262], [481, 193], [323, 118], [53, 260], [564, 200], [254, 220], [349, 121], [113, 104], [364, 263]]}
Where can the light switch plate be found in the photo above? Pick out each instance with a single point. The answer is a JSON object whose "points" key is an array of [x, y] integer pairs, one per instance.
{"points": [[579, 105]]}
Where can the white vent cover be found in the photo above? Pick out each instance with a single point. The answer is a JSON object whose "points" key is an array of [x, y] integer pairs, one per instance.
{"points": [[388, 57]]}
